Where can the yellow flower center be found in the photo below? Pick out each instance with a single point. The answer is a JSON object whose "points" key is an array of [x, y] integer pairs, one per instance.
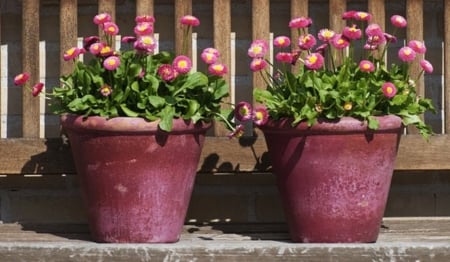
{"points": [[389, 90], [312, 59]]}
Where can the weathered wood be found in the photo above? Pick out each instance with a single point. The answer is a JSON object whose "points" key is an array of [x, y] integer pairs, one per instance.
{"points": [[30, 64], [337, 8], [428, 241], [222, 41], [182, 46], [377, 9], [145, 7], [446, 69], [40, 156], [298, 9], [107, 6], [68, 30], [260, 30]]}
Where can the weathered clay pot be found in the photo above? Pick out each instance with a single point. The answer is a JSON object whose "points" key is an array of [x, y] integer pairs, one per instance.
{"points": [[136, 180], [334, 177]]}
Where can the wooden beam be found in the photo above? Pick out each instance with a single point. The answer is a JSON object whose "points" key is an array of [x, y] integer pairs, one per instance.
{"points": [[446, 69], [30, 64], [68, 31], [377, 9], [145, 7], [219, 155], [222, 41], [260, 30], [182, 45]]}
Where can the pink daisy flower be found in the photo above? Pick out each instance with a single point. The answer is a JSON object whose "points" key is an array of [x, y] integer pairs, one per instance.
{"points": [[406, 54], [348, 15], [71, 53], [260, 116], [284, 57], [398, 21], [144, 28], [145, 19], [146, 43], [102, 18], [340, 42], [258, 49], [128, 39], [111, 63], [95, 48], [366, 66], [37, 89], [300, 22], [106, 51], [389, 89], [237, 132], [21, 78], [314, 61], [258, 64], [190, 20], [217, 69], [208, 58], [243, 111], [182, 64], [352, 33], [426, 66], [211, 50], [110, 28], [105, 90], [306, 42], [326, 34], [417, 46], [362, 16], [282, 41], [166, 72]]}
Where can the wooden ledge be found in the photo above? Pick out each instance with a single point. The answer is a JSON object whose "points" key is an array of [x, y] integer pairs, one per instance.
{"points": [[219, 155], [401, 239]]}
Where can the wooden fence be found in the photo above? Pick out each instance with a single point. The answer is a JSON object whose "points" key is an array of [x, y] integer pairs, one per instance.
{"points": [[30, 153]]}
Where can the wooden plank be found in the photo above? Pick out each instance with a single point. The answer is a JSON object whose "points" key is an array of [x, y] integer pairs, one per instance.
{"points": [[68, 20], [337, 8], [377, 9], [30, 64], [107, 6], [145, 7], [414, 31], [182, 8], [260, 30], [219, 155], [222, 41], [446, 69], [1, 122], [298, 9]]}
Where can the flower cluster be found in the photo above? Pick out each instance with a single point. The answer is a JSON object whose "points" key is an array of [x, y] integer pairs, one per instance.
{"points": [[326, 76], [135, 80]]}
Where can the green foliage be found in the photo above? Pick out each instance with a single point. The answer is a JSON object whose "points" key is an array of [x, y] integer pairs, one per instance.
{"points": [[336, 90]]}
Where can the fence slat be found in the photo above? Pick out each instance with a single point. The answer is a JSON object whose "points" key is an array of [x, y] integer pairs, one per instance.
{"points": [[337, 8], [30, 64], [260, 30], [107, 6], [145, 7], [182, 8], [298, 9], [414, 31], [68, 30], [446, 69], [222, 41], [377, 9]]}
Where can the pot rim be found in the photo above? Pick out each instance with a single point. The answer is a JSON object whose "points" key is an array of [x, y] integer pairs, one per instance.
{"points": [[128, 124], [387, 123]]}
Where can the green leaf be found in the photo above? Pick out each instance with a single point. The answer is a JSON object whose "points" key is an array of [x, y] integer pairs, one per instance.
{"points": [[128, 112], [157, 101], [167, 115]]}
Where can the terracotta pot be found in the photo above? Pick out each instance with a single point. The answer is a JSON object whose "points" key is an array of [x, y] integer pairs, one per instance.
{"points": [[334, 178], [136, 180]]}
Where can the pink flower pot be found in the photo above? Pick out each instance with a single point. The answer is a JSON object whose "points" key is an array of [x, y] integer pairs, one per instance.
{"points": [[136, 180], [334, 178]]}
